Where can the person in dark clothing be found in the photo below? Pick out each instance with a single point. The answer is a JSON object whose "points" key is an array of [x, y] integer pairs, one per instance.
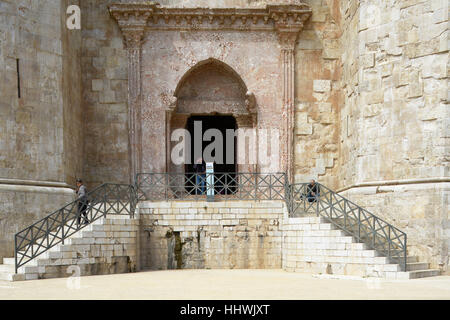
{"points": [[313, 191], [200, 175], [82, 202]]}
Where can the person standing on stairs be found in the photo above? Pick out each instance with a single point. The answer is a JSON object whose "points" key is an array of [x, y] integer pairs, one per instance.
{"points": [[313, 191], [82, 202]]}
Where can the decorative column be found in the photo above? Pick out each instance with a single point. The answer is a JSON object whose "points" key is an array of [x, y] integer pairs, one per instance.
{"points": [[173, 121], [133, 45], [132, 20], [288, 24], [246, 122], [288, 68]]}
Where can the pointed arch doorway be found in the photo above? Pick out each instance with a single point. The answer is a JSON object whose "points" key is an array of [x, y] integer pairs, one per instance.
{"points": [[212, 96]]}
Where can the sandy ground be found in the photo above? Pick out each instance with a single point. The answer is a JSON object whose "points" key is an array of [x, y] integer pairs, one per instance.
{"points": [[225, 284]]}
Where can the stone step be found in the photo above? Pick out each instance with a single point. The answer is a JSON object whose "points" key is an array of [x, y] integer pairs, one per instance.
{"points": [[328, 239], [346, 260], [336, 268], [327, 245], [31, 269], [316, 233], [9, 261], [7, 268], [416, 274], [413, 266], [306, 220], [386, 267], [69, 252], [409, 259], [11, 276], [338, 253], [424, 273], [321, 233]]}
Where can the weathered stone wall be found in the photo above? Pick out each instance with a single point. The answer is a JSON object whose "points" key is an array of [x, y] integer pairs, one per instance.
{"points": [[394, 120], [104, 76], [419, 210], [73, 115], [40, 134], [395, 89], [31, 146], [21, 206], [318, 101], [187, 234]]}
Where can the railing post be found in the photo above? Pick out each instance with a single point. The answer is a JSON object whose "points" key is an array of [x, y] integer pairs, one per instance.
{"points": [[166, 186], [404, 254], [104, 202], [317, 206], [359, 224], [373, 234], [15, 253], [270, 186], [130, 199], [345, 215], [389, 242], [304, 189], [256, 187], [290, 199], [62, 230]]}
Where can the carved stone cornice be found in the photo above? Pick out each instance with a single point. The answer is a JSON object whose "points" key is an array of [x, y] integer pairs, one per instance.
{"points": [[132, 13], [289, 21], [132, 19], [273, 17]]}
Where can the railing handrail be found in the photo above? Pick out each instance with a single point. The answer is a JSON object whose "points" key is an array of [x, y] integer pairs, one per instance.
{"points": [[231, 185], [56, 211], [72, 202], [59, 226], [368, 216], [133, 198], [359, 207]]}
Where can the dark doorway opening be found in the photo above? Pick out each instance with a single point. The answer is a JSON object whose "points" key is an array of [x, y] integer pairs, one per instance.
{"points": [[224, 173]]}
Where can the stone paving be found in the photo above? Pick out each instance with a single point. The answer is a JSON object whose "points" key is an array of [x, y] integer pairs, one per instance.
{"points": [[226, 284]]}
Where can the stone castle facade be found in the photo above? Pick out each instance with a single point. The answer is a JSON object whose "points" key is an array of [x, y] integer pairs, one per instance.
{"points": [[358, 90]]}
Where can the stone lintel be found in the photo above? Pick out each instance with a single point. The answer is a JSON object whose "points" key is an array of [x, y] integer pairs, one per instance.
{"points": [[153, 16]]}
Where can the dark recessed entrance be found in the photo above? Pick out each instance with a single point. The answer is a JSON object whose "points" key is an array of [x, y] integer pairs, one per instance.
{"points": [[220, 123], [221, 165]]}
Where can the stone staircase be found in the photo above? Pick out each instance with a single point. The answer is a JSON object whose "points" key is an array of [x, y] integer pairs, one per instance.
{"points": [[313, 245], [106, 246], [309, 244]]}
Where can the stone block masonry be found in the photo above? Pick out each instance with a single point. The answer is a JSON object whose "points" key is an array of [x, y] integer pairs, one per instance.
{"points": [[41, 118], [235, 234], [311, 245]]}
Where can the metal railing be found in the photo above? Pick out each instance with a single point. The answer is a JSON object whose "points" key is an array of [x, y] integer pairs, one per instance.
{"points": [[225, 185], [348, 216], [122, 199], [46, 233]]}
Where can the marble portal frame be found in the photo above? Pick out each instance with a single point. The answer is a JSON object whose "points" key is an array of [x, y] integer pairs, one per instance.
{"points": [[135, 19]]}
